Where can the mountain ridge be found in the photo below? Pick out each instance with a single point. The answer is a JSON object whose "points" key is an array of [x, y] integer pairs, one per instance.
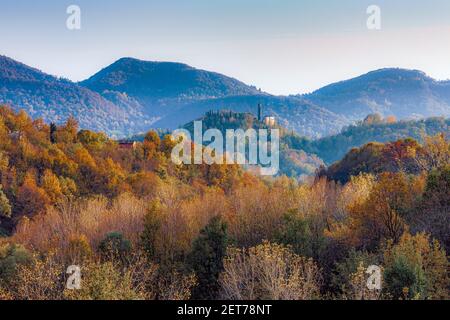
{"points": [[56, 99], [131, 96], [400, 92], [158, 84]]}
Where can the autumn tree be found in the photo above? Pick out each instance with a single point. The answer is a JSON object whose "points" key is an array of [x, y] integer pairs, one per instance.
{"points": [[432, 215], [174, 285], [434, 154], [353, 195], [390, 119], [4, 163], [400, 155], [382, 215], [151, 144], [5, 206], [68, 132], [79, 249], [114, 247], [68, 187], [269, 271], [167, 145], [416, 268], [22, 122], [88, 177], [110, 178], [31, 199], [144, 184], [51, 184], [92, 140], [103, 281], [152, 224]]}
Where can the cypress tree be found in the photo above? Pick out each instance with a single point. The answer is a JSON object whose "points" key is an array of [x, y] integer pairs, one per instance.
{"points": [[206, 258]]}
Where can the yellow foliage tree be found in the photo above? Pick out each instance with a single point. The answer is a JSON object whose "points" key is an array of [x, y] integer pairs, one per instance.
{"points": [[50, 183], [416, 267]]}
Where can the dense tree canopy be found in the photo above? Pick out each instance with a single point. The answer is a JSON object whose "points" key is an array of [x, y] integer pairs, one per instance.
{"points": [[142, 227]]}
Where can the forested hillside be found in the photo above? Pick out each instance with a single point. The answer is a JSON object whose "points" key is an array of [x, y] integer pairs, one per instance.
{"points": [[373, 129], [54, 99], [141, 227], [131, 96], [405, 94], [177, 93], [303, 156], [293, 163]]}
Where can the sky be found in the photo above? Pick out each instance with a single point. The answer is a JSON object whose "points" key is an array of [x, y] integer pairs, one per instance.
{"points": [[281, 46]]}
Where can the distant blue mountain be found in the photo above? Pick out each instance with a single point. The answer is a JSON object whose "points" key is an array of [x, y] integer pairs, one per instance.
{"points": [[152, 81], [53, 99], [177, 93], [406, 94], [132, 96]]}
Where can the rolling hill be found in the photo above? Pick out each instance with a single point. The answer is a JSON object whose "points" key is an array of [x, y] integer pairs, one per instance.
{"points": [[177, 93], [294, 163], [132, 96], [334, 148], [406, 94], [150, 82], [53, 99]]}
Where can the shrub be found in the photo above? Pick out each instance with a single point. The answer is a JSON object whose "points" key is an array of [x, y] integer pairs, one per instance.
{"points": [[79, 249], [41, 279], [269, 271], [11, 256], [114, 247], [102, 281], [346, 269]]}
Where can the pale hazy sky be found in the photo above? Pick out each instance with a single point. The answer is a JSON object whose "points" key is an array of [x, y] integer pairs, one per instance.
{"points": [[281, 46]]}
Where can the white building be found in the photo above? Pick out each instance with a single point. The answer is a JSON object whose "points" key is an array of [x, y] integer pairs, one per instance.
{"points": [[270, 121]]}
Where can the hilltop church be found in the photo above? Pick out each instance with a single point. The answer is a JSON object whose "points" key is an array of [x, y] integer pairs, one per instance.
{"points": [[267, 120]]}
